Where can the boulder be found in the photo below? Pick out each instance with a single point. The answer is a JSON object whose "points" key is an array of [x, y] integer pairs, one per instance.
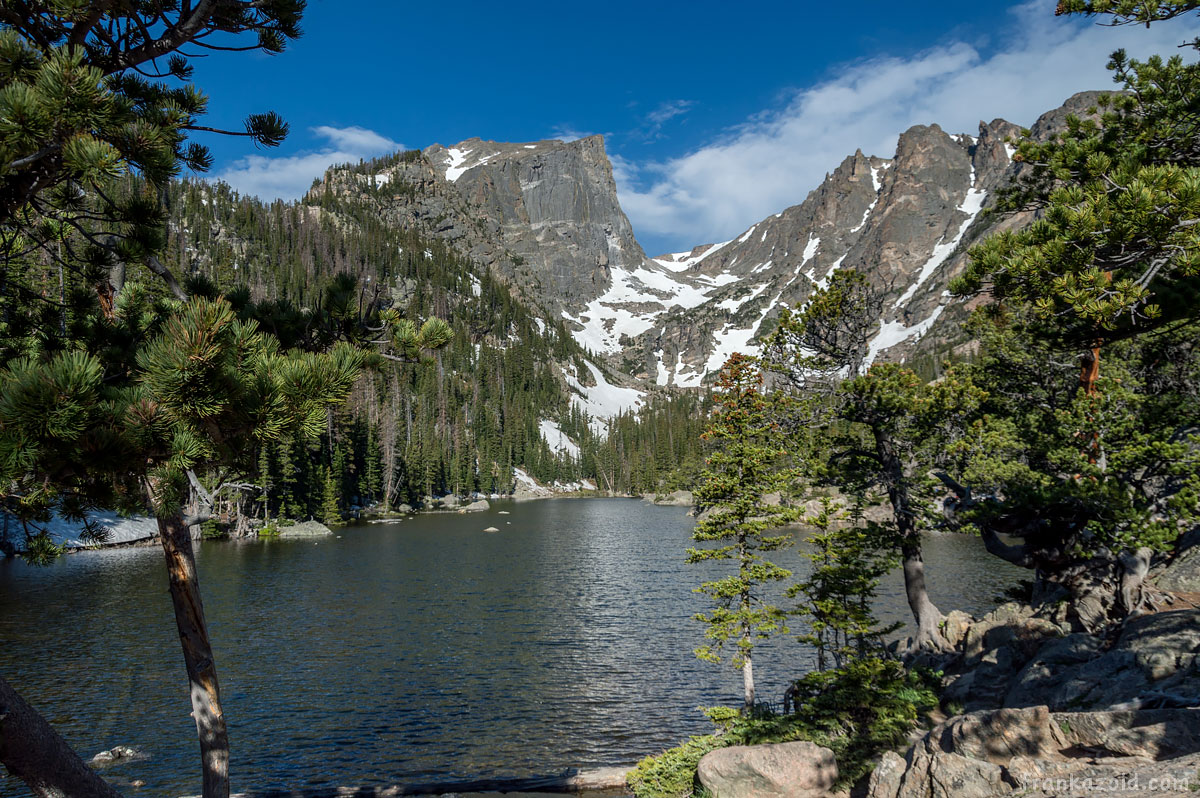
{"points": [[305, 529], [680, 498], [887, 776], [1146, 733], [777, 770], [1049, 668], [939, 775], [1181, 575], [491, 529], [476, 506], [998, 735], [450, 502], [955, 627]]}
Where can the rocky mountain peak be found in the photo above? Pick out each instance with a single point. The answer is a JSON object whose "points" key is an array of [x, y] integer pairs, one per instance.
{"points": [[545, 216]]}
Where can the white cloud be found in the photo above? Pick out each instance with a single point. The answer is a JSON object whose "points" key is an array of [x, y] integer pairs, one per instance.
{"points": [[568, 133], [664, 113], [288, 177], [773, 160], [356, 139]]}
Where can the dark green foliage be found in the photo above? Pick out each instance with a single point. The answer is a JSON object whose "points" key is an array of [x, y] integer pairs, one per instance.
{"points": [[331, 513], [672, 774], [1086, 440], [1124, 12], [848, 558], [93, 95], [1070, 472], [79, 431], [872, 431]]}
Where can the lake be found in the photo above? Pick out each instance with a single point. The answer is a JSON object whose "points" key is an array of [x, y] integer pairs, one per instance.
{"points": [[418, 650]]}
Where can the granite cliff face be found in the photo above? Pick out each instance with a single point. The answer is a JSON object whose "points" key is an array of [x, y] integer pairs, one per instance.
{"points": [[545, 216]]}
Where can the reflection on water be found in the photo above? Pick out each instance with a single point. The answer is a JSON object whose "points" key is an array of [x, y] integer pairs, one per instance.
{"points": [[412, 651]]}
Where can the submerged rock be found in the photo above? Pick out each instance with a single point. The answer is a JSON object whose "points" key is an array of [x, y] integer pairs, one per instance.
{"points": [[491, 529], [777, 770], [306, 529], [680, 498], [116, 754]]}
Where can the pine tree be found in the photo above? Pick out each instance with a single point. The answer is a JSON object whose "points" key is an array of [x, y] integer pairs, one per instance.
{"points": [[331, 513], [869, 433], [1094, 467], [740, 473], [89, 141], [848, 560]]}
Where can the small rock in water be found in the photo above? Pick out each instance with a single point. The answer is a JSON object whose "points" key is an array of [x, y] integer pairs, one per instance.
{"points": [[113, 754], [491, 529], [137, 783], [504, 512]]}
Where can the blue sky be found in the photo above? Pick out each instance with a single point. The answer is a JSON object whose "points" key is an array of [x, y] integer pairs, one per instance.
{"points": [[715, 114]]}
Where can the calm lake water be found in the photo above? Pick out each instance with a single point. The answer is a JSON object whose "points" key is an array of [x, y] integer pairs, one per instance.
{"points": [[412, 651]]}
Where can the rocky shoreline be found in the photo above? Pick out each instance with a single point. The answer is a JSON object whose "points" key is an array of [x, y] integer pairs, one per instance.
{"points": [[1039, 705]]}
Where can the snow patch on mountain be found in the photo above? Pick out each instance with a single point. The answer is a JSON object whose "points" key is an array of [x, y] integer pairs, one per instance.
{"points": [[875, 181], [557, 440], [895, 332], [455, 158], [603, 400], [459, 161], [810, 249], [734, 304], [662, 376], [682, 261], [730, 339], [633, 303], [837, 264]]}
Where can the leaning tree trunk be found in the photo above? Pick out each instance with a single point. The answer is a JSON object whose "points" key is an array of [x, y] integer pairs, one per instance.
{"points": [[197, 655], [33, 752], [926, 614]]}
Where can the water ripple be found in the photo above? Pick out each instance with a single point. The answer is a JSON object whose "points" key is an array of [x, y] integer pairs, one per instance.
{"points": [[408, 652]]}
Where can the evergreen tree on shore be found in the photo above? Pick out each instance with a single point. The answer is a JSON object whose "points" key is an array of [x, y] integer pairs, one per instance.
{"points": [[740, 472]]}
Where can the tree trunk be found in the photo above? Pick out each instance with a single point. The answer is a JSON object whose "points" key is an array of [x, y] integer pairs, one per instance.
{"points": [[33, 752], [748, 682], [197, 655], [927, 616], [1135, 566]]}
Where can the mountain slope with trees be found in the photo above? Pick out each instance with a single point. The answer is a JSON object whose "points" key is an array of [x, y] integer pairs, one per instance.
{"points": [[509, 390]]}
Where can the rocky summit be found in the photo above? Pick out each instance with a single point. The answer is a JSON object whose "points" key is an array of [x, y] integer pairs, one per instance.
{"points": [[545, 216]]}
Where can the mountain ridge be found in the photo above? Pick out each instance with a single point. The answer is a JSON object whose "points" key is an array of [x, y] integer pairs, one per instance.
{"points": [[546, 218]]}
